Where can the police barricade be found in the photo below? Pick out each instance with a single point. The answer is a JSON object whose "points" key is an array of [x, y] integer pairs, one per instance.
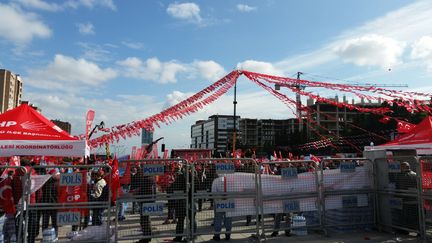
{"points": [[398, 194], [290, 197], [224, 193], [153, 200], [426, 197], [75, 198], [347, 195], [12, 200]]}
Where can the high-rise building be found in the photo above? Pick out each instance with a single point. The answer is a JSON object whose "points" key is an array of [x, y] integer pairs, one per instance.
{"points": [[65, 126], [216, 133], [10, 90], [146, 137], [259, 133]]}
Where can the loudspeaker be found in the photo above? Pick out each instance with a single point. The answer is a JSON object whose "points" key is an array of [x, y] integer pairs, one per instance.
{"points": [[163, 147]]}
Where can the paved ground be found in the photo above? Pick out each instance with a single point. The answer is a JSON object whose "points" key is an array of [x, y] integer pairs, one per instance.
{"points": [[131, 228]]}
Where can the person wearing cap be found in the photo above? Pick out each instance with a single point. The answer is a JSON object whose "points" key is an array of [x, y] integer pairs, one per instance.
{"points": [[96, 195], [50, 195], [407, 216]]}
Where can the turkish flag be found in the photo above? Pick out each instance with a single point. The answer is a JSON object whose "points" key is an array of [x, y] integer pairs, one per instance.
{"points": [[6, 196], [404, 127]]}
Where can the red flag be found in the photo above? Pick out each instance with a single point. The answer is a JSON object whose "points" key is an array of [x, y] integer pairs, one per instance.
{"points": [[165, 155], [89, 121], [314, 158], [126, 178], [404, 127], [6, 196], [385, 119], [290, 156], [115, 179]]}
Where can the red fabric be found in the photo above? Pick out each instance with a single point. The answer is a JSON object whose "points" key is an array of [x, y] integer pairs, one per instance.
{"points": [[115, 180], [420, 134], [126, 178], [71, 194], [6, 196], [25, 123], [89, 121], [404, 127]]}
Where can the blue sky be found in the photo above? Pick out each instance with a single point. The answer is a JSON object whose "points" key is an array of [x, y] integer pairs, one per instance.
{"points": [[128, 60]]}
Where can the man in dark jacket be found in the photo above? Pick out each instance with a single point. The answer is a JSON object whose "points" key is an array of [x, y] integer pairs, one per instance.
{"points": [[181, 184], [49, 195], [144, 186]]}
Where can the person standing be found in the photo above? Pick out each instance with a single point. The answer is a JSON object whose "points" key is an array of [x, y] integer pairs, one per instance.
{"points": [[50, 195], [144, 186], [100, 190], [221, 216]]}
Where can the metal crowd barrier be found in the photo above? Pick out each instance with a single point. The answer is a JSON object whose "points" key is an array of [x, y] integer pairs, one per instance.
{"points": [[13, 194], [66, 198], [398, 194], [154, 203], [347, 194], [163, 198], [219, 198], [426, 196], [289, 197]]}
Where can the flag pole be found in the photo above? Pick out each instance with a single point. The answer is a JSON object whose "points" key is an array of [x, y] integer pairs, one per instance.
{"points": [[235, 118]]}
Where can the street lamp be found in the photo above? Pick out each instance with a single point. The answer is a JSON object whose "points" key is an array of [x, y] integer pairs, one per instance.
{"points": [[100, 126]]}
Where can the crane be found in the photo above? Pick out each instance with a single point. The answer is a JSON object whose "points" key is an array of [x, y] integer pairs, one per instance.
{"points": [[299, 86]]}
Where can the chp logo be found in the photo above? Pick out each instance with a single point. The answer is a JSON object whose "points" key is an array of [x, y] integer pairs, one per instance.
{"points": [[35, 126], [7, 123], [28, 125]]}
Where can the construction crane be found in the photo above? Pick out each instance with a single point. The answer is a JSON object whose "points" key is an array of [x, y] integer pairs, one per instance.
{"points": [[299, 87]]}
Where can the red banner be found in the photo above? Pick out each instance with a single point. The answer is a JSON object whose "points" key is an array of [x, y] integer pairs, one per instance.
{"points": [[75, 194], [89, 121]]}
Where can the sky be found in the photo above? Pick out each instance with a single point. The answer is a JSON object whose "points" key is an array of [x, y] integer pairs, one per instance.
{"points": [[127, 60]]}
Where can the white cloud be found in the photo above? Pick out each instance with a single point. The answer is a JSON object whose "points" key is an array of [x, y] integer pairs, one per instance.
{"points": [[95, 52], [259, 67], [404, 25], [245, 8], [67, 73], [74, 4], [371, 50], [21, 27], [422, 50], [185, 11], [210, 70], [86, 28], [40, 4], [90, 4], [152, 69], [176, 97], [133, 45]]}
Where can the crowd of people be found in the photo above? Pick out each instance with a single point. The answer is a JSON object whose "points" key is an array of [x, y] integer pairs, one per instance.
{"points": [[141, 189]]}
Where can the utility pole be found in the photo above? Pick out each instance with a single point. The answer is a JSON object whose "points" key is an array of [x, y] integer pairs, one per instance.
{"points": [[298, 101], [235, 118]]}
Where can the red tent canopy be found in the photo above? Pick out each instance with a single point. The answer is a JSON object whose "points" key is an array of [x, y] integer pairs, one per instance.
{"points": [[419, 138], [24, 131], [419, 135]]}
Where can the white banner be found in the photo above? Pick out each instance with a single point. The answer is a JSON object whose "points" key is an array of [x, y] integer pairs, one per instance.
{"points": [[361, 178], [74, 148]]}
